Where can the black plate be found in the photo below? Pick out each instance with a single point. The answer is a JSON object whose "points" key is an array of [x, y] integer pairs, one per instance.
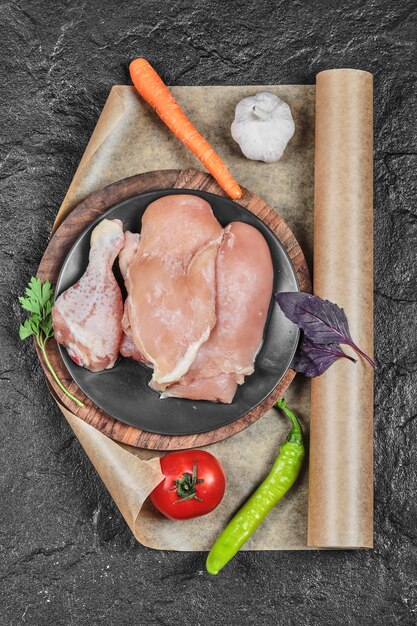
{"points": [[123, 391]]}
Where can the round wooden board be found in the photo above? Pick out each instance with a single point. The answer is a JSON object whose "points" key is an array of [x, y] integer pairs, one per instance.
{"points": [[57, 250]]}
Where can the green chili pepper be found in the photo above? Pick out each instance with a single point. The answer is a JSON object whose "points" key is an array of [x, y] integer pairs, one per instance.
{"points": [[282, 476]]}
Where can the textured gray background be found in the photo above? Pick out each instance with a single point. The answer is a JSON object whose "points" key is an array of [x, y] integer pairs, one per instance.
{"points": [[81, 565]]}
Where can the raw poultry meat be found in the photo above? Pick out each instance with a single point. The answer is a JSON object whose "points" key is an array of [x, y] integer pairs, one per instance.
{"points": [[171, 283], [87, 317], [128, 252], [221, 388], [128, 348], [198, 299], [244, 287]]}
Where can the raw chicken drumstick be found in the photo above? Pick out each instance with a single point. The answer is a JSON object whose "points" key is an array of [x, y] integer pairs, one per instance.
{"points": [[87, 317]]}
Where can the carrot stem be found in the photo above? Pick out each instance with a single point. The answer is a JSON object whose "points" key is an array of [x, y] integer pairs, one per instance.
{"points": [[156, 93]]}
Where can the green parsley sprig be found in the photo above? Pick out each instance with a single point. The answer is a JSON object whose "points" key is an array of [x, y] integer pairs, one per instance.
{"points": [[39, 301]]}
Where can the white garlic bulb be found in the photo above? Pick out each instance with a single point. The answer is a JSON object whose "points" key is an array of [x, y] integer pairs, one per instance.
{"points": [[263, 126]]}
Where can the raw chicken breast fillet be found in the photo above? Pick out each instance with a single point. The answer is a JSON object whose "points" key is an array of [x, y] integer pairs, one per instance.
{"points": [[171, 283], [128, 252], [244, 289], [87, 317], [128, 348]]}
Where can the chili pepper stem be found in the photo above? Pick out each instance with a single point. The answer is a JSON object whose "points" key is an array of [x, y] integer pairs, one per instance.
{"points": [[296, 434]]}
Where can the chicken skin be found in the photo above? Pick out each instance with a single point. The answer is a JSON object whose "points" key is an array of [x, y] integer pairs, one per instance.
{"points": [[87, 317]]}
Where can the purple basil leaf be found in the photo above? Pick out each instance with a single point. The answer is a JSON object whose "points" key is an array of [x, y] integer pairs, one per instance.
{"points": [[312, 360], [323, 322]]}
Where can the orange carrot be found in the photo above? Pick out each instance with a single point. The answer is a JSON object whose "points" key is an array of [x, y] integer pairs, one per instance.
{"points": [[156, 93]]}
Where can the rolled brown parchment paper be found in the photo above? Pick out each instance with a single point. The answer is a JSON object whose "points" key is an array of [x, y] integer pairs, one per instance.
{"points": [[340, 503], [128, 139]]}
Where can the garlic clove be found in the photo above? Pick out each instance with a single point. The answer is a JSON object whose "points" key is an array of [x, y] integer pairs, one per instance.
{"points": [[263, 126]]}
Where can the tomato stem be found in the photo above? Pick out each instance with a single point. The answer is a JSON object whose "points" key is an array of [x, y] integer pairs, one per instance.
{"points": [[185, 486]]}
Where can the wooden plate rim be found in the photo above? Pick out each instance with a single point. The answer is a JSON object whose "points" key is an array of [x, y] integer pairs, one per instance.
{"points": [[60, 244]]}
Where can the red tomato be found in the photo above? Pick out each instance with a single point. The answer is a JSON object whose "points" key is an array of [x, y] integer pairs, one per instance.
{"points": [[194, 484]]}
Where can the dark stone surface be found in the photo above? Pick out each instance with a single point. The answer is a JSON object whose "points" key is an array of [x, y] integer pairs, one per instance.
{"points": [[81, 565]]}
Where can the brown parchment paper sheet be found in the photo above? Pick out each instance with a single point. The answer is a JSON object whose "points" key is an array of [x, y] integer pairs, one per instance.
{"points": [[341, 449], [130, 139]]}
